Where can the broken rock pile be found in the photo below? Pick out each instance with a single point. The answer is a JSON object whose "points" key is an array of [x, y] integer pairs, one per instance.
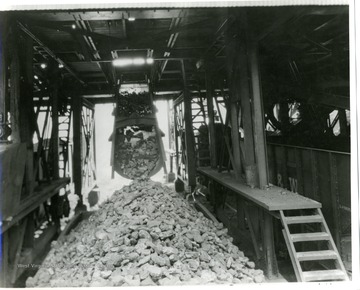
{"points": [[145, 234]]}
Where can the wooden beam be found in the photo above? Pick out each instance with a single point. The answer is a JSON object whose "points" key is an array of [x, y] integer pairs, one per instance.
{"points": [[28, 121], [88, 103], [77, 140], [171, 42], [15, 87], [211, 126], [54, 97], [89, 49], [49, 51], [243, 89], [258, 117], [280, 22], [3, 70], [232, 110], [225, 24], [103, 100], [117, 14], [271, 268], [189, 134], [41, 194]]}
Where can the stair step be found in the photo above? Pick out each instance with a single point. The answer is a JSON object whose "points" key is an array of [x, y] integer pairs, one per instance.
{"points": [[316, 255], [303, 219], [305, 237], [324, 275]]}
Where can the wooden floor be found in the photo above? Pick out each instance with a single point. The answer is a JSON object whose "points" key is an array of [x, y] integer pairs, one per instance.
{"points": [[273, 199]]}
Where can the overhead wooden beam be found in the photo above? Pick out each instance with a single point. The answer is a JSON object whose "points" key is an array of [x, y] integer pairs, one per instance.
{"points": [[89, 49], [108, 15], [279, 22], [128, 41], [49, 51], [103, 100], [225, 24], [171, 42]]}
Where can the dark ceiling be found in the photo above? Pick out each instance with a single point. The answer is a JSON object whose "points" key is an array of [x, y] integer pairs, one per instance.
{"points": [[303, 50]]}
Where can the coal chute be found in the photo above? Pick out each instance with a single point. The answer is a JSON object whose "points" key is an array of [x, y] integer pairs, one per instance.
{"points": [[137, 149]]}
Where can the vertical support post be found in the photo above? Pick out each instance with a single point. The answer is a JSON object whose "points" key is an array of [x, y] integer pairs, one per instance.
{"points": [[243, 88], [176, 140], [314, 176], [189, 134], [77, 162], [335, 198], [94, 145], [21, 99], [3, 132], [299, 171], [284, 118], [158, 134], [248, 57], [55, 123], [5, 272], [54, 98], [170, 137], [240, 212], [15, 87], [271, 268], [343, 122], [211, 125], [235, 138], [258, 118], [27, 115]]}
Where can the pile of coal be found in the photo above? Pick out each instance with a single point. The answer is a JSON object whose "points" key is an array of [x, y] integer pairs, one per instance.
{"points": [[144, 235], [136, 155]]}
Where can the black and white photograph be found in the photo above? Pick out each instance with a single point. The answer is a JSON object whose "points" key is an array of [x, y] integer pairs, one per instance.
{"points": [[195, 144]]}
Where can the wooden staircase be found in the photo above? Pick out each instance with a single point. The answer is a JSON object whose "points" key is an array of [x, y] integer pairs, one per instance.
{"points": [[323, 249]]}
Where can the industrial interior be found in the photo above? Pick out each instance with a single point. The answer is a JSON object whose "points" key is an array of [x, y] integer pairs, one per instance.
{"points": [[224, 153]]}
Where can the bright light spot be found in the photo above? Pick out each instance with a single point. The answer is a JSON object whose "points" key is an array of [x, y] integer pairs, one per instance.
{"points": [[73, 26], [139, 61], [132, 61], [122, 62], [43, 65], [40, 82], [131, 18], [61, 65], [36, 77]]}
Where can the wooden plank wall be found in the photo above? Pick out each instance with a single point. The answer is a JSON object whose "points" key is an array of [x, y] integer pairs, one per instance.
{"points": [[318, 174]]}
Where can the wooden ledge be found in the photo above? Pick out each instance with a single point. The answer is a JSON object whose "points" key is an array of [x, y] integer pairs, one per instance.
{"points": [[273, 199]]}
